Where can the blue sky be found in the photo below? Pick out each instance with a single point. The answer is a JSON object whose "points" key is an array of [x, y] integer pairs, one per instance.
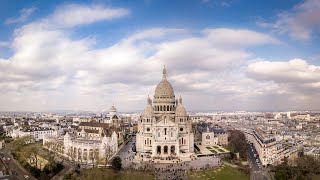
{"points": [[268, 53]]}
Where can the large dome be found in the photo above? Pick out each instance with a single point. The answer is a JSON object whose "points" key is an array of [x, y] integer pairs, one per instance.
{"points": [[164, 88]]}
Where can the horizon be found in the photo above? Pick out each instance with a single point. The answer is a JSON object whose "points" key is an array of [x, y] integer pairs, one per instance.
{"points": [[227, 55]]}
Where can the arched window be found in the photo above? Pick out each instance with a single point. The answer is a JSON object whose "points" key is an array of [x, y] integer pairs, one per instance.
{"points": [[208, 136]]}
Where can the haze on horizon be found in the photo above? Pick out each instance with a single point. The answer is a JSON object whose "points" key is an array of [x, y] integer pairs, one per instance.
{"points": [[222, 55]]}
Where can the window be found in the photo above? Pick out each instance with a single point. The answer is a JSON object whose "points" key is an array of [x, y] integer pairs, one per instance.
{"points": [[208, 136], [165, 131], [148, 129], [158, 134], [181, 129]]}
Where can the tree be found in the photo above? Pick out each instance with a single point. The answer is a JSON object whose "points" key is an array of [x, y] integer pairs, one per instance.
{"points": [[31, 154], [71, 154], [238, 143], [108, 153], [19, 143], [116, 163], [305, 167]]}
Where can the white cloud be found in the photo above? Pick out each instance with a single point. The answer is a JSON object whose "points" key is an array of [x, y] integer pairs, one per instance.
{"points": [[293, 71], [24, 14], [55, 71], [73, 14], [238, 37], [300, 22], [296, 82], [4, 44]]}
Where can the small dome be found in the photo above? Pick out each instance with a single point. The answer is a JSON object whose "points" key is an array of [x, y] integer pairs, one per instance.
{"points": [[164, 88], [180, 110], [113, 109], [149, 111]]}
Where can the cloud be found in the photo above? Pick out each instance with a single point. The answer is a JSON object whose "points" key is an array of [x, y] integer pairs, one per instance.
{"points": [[295, 79], [222, 3], [4, 44], [24, 14], [208, 67], [292, 71], [53, 63], [74, 14], [301, 22], [238, 37]]}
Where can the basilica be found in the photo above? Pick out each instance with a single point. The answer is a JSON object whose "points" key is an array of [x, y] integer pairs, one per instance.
{"points": [[164, 129]]}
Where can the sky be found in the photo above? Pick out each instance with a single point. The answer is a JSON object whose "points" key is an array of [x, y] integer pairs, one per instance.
{"points": [[220, 55]]}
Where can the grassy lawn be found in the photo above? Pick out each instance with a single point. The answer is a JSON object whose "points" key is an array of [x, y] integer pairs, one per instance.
{"points": [[97, 174], [212, 150], [208, 147], [223, 173], [221, 150], [315, 177]]}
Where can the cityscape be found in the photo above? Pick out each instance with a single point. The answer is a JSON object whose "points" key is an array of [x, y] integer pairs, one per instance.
{"points": [[199, 90]]}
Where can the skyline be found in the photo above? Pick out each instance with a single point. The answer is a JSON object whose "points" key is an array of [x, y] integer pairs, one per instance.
{"points": [[224, 56]]}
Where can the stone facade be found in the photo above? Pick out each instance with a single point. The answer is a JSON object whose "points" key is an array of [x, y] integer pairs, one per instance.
{"points": [[83, 148], [214, 136], [164, 128]]}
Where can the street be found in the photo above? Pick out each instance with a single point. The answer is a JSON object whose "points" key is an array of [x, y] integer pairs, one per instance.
{"points": [[257, 172], [18, 172]]}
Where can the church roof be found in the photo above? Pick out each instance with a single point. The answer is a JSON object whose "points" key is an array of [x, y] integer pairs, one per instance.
{"points": [[164, 88], [203, 127], [94, 124], [89, 131]]}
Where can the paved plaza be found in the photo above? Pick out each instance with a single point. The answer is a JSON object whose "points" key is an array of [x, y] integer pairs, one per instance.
{"points": [[176, 170]]}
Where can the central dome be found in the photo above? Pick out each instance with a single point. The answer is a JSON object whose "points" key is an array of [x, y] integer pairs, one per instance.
{"points": [[164, 88]]}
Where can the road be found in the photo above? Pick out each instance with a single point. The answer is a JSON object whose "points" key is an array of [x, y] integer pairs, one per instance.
{"points": [[67, 168], [126, 153], [257, 172], [17, 170]]}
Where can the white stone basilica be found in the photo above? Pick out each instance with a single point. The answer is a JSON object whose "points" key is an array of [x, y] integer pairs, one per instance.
{"points": [[165, 130]]}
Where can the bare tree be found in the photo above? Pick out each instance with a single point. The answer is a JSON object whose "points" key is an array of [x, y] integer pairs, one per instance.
{"points": [[108, 152]]}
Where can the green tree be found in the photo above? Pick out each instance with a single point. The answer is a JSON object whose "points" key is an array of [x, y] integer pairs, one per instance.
{"points": [[116, 163], [238, 143]]}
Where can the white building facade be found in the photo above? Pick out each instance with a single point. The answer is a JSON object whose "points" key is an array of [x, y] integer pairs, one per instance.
{"points": [[83, 148], [164, 128]]}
